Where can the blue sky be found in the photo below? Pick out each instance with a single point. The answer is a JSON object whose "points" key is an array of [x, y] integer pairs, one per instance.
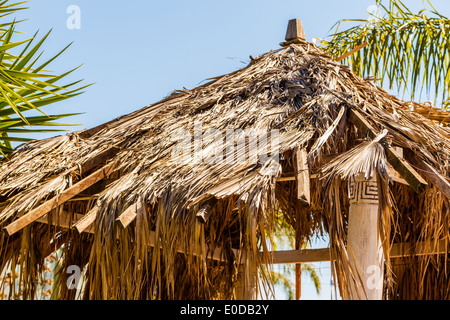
{"points": [[137, 52]]}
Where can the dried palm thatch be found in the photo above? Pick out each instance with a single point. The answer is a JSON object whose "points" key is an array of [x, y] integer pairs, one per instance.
{"points": [[147, 241]]}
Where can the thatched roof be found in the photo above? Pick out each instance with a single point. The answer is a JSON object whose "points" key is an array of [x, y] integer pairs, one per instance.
{"points": [[298, 92]]}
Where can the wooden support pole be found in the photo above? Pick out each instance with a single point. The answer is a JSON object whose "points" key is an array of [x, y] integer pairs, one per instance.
{"points": [[58, 200], [366, 253], [298, 281], [248, 268], [246, 283]]}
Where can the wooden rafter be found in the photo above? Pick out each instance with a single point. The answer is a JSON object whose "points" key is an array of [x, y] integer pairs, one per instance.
{"points": [[438, 180], [60, 199], [129, 214], [86, 222], [395, 160], [205, 210]]}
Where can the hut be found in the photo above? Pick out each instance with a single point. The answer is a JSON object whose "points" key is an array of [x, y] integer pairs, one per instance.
{"points": [[179, 200]]}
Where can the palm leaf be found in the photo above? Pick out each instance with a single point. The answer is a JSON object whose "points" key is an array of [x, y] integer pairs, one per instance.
{"points": [[407, 51], [24, 87]]}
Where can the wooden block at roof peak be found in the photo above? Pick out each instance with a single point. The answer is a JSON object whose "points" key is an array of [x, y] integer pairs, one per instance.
{"points": [[295, 30]]}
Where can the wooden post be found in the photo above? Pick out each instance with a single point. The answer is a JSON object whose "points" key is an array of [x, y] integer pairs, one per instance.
{"points": [[246, 288], [298, 281], [248, 269], [366, 254]]}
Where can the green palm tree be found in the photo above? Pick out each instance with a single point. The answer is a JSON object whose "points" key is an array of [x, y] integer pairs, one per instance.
{"points": [[25, 85], [406, 51]]}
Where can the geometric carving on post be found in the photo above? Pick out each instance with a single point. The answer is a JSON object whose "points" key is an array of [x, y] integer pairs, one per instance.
{"points": [[363, 191], [363, 239]]}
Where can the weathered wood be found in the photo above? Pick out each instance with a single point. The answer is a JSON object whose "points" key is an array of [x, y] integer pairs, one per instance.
{"points": [[129, 214], [400, 165], [300, 256], [205, 211], [60, 199], [394, 174], [405, 170], [85, 224], [303, 176], [401, 250], [298, 281], [363, 241], [246, 288], [295, 30], [100, 158], [348, 54], [438, 180], [63, 219], [284, 256], [398, 250]]}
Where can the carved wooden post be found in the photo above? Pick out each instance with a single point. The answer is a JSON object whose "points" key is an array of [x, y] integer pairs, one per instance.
{"points": [[363, 239]]}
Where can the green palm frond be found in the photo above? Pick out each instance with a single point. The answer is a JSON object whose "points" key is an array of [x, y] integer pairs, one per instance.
{"points": [[407, 51], [25, 85]]}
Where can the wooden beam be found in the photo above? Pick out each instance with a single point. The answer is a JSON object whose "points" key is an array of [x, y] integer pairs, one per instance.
{"points": [[60, 199], [85, 224], [398, 250], [401, 250], [302, 175], [100, 158], [300, 256], [363, 239], [438, 180], [398, 163], [205, 211], [129, 214], [394, 174], [64, 219], [295, 30]]}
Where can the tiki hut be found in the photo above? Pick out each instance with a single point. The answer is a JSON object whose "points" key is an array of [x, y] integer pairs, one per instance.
{"points": [[180, 199]]}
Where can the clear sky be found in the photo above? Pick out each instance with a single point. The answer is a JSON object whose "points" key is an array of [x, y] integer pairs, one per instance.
{"points": [[138, 51]]}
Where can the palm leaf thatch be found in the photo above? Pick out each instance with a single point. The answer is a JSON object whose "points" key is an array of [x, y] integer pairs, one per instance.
{"points": [[146, 241]]}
